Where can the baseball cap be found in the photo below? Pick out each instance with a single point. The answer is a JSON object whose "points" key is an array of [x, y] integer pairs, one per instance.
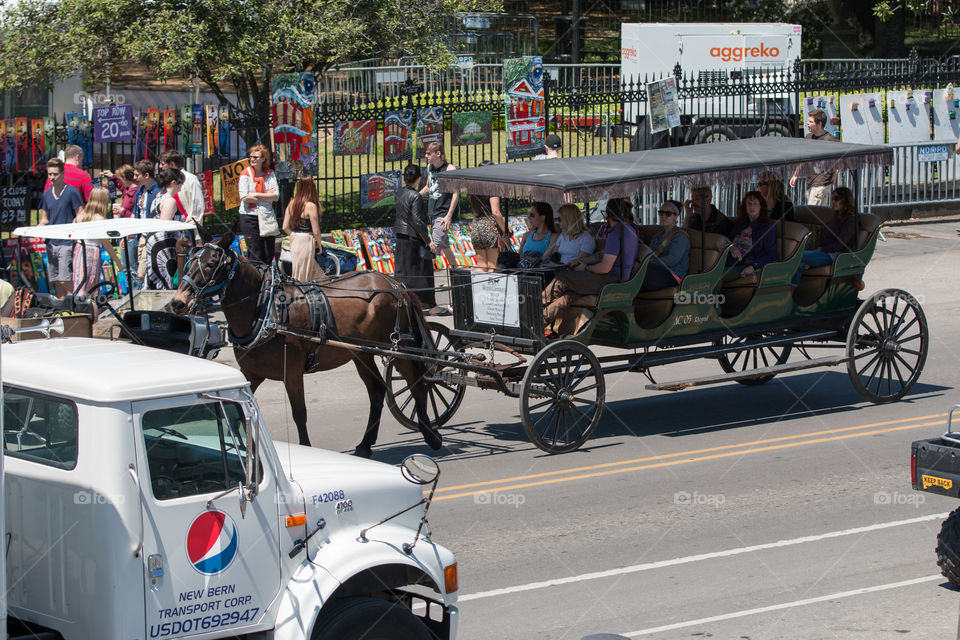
{"points": [[553, 141]]}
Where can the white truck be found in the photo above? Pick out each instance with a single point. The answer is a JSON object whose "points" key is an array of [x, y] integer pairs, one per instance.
{"points": [[145, 499], [715, 54]]}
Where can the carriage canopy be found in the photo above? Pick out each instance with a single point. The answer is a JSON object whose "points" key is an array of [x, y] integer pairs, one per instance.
{"points": [[622, 174]]}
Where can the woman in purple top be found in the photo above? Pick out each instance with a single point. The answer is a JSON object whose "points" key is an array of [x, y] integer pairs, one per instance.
{"points": [[615, 265], [753, 236]]}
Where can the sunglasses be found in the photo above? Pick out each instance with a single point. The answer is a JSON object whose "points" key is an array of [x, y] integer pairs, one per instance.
{"points": [[666, 213]]}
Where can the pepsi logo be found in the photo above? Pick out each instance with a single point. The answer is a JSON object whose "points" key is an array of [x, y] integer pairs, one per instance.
{"points": [[212, 542]]}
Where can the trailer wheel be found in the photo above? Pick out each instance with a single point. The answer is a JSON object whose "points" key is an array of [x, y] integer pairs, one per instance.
{"points": [[948, 548], [368, 619], [561, 400], [443, 398], [756, 358], [715, 133], [887, 345]]}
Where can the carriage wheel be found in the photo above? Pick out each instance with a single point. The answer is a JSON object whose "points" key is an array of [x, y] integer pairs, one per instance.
{"points": [[755, 358], [443, 398], [562, 396], [887, 345]]}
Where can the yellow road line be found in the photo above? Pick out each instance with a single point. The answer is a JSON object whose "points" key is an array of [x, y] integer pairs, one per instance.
{"points": [[670, 463], [684, 453]]}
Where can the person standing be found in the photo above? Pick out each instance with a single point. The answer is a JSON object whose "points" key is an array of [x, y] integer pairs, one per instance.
{"points": [[147, 191], [821, 183], [489, 231], [160, 247], [258, 191], [61, 204], [301, 221], [442, 208], [415, 248], [126, 184], [191, 195], [86, 253], [73, 173]]}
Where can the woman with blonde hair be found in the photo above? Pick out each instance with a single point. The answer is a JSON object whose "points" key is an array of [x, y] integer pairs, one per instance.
{"points": [[575, 241], [301, 221], [258, 191], [86, 254]]}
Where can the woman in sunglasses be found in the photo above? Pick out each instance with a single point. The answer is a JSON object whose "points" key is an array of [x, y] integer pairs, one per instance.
{"points": [[671, 251]]}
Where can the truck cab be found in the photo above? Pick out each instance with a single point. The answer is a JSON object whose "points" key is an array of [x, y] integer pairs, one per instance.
{"points": [[145, 499]]}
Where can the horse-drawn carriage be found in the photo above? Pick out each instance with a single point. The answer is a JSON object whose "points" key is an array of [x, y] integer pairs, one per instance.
{"points": [[756, 327]]}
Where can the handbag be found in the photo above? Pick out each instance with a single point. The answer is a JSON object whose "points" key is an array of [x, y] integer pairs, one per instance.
{"points": [[267, 220]]}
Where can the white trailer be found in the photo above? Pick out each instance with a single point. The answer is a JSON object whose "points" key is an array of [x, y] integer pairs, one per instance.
{"points": [[716, 54]]}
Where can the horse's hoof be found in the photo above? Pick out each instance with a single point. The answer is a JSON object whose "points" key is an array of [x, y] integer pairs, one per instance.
{"points": [[363, 452], [433, 439]]}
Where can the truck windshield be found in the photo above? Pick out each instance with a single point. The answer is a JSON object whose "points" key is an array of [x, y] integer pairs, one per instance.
{"points": [[194, 450]]}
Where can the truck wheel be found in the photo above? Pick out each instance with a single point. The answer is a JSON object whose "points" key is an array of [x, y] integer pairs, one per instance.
{"points": [[948, 548], [778, 130], [368, 619], [715, 133]]}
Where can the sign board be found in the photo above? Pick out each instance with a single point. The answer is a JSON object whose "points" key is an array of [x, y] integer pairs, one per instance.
{"points": [[229, 182], [113, 123], [933, 153], [664, 104], [465, 62], [496, 299], [14, 204], [476, 22]]}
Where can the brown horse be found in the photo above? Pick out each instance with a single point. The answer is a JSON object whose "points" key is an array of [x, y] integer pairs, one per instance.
{"points": [[364, 306]]}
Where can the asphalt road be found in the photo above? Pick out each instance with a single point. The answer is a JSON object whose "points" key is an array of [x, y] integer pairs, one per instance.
{"points": [[780, 511]]}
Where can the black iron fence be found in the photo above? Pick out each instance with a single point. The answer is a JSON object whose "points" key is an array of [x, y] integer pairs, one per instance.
{"points": [[590, 118]]}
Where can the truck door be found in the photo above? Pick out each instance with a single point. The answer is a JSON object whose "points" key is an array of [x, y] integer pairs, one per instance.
{"points": [[208, 564]]}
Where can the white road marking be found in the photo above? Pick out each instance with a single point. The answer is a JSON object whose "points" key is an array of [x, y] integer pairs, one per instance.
{"points": [[697, 558], [783, 605]]}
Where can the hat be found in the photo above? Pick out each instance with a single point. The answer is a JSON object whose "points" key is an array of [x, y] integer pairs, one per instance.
{"points": [[553, 141]]}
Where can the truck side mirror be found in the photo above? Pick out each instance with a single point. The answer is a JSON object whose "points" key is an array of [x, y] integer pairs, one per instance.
{"points": [[420, 469]]}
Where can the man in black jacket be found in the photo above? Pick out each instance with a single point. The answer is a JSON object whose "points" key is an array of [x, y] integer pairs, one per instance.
{"points": [[415, 250]]}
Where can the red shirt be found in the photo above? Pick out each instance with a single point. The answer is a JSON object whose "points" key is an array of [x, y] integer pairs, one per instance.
{"points": [[76, 178]]}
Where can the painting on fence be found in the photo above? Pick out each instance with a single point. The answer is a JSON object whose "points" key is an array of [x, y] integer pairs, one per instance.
{"points": [[23, 144], [472, 127], [292, 118], [429, 128], [196, 140], [397, 135], [38, 147], [379, 189], [140, 137], [153, 133], [186, 130], [354, 137], [10, 145], [79, 132], [213, 131], [223, 113], [524, 108], [169, 128]]}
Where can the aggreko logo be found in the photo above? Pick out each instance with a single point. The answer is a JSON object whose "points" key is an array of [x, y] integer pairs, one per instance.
{"points": [[742, 53]]}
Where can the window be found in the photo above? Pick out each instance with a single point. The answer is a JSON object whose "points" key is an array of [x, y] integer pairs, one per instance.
{"points": [[40, 428], [196, 449]]}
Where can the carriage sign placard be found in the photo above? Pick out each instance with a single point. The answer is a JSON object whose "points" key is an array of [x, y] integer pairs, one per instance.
{"points": [[495, 299]]}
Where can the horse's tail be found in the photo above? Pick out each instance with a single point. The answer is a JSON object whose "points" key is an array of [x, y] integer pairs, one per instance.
{"points": [[420, 319]]}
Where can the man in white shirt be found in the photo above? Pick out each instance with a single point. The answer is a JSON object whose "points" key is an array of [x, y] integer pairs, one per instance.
{"points": [[191, 195]]}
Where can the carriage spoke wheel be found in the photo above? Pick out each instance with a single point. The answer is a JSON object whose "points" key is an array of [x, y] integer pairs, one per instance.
{"points": [[443, 398], [887, 345], [562, 396], [749, 359]]}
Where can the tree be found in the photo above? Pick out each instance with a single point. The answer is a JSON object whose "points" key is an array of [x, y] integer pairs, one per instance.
{"points": [[227, 44]]}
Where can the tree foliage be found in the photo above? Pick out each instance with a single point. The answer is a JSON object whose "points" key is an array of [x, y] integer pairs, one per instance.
{"points": [[230, 45]]}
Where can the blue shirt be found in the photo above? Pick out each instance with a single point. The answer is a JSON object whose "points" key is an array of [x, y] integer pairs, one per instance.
{"points": [[61, 210]]}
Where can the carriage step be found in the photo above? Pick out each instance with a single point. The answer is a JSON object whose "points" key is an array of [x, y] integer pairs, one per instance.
{"points": [[680, 385]]}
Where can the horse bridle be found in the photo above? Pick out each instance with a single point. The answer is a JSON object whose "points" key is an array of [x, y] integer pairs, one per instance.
{"points": [[211, 288]]}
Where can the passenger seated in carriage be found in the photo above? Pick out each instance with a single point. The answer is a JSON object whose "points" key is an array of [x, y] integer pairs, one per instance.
{"points": [[699, 207], [574, 240], [584, 279], [671, 251], [754, 238], [539, 241], [839, 234]]}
